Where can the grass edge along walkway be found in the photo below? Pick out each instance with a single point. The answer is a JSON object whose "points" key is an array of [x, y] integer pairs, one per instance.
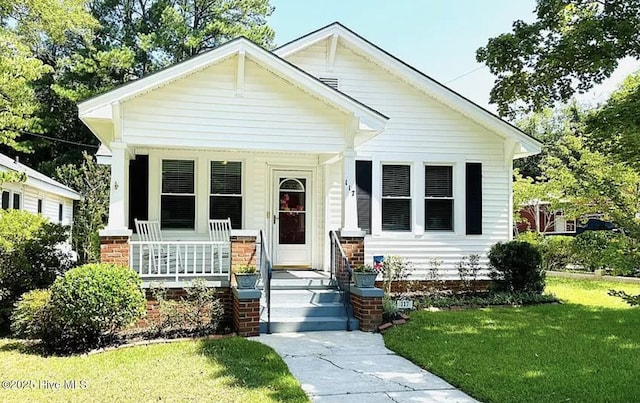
{"points": [[584, 350], [224, 370]]}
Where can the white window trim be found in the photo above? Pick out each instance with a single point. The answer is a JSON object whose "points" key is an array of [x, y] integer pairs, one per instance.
{"points": [[242, 190], [11, 196], [453, 197], [410, 197]]}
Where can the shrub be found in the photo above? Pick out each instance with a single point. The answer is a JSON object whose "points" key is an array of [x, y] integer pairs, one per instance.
{"points": [[30, 256], [613, 252], [557, 252], [468, 269], [89, 303], [30, 317], [198, 312], [394, 268], [516, 266]]}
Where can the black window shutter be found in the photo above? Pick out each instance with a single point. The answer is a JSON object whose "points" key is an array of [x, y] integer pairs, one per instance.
{"points": [[138, 189], [474, 198], [363, 194]]}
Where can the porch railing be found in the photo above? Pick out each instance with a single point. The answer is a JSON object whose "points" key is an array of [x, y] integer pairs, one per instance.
{"points": [[341, 272], [161, 260], [266, 274]]}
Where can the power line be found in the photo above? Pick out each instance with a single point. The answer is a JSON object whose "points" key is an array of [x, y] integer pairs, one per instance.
{"points": [[465, 74], [60, 140]]}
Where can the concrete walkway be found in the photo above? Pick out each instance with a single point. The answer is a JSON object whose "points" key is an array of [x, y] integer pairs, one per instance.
{"points": [[357, 367]]}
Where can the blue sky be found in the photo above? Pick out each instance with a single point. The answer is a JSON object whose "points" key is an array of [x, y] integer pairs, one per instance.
{"points": [[438, 37]]}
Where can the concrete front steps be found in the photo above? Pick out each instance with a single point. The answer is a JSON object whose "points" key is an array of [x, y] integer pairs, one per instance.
{"points": [[304, 301]]}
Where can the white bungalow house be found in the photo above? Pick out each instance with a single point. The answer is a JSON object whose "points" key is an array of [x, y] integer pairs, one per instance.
{"points": [[39, 194], [327, 132]]}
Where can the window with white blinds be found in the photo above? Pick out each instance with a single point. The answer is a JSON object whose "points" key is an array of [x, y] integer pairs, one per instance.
{"points": [[438, 198], [396, 198], [225, 197], [178, 199]]}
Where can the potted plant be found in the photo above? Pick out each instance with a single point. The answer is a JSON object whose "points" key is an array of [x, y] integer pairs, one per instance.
{"points": [[246, 276], [364, 276]]}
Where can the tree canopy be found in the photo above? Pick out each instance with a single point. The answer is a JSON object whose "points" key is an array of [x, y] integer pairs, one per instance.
{"points": [[572, 45], [614, 128], [53, 69], [26, 26]]}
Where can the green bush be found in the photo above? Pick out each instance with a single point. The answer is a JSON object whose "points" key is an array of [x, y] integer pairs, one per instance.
{"points": [[30, 256], [30, 317], [613, 252], [198, 312], [516, 266], [90, 303], [557, 252]]}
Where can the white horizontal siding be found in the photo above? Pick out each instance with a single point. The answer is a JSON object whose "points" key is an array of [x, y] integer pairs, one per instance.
{"points": [[50, 202], [421, 131], [203, 110]]}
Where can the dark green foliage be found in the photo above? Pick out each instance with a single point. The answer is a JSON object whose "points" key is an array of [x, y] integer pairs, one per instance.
{"points": [[90, 303], [633, 300], [613, 252], [31, 256], [90, 214], [557, 252], [516, 267], [482, 300], [30, 318], [573, 45], [614, 128], [198, 312]]}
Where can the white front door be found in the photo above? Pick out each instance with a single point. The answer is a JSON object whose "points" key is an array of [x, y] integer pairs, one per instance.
{"points": [[292, 218]]}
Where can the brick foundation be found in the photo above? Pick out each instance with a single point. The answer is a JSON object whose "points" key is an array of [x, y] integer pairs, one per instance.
{"points": [[114, 249], [367, 307], [427, 285], [246, 312], [223, 294], [353, 247]]}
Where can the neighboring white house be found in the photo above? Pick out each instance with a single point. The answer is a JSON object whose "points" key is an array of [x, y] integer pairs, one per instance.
{"points": [[39, 194], [328, 132]]}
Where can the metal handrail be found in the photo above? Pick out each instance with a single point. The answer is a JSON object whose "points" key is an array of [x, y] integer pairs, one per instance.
{"points": [[266, 274], [341, 272]]}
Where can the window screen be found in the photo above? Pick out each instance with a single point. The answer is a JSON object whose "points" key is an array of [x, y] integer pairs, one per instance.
{"points": [[396, 198], [225, 199], [438, 198], [178, 199]]}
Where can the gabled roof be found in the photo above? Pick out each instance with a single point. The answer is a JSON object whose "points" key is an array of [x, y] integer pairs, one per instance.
{"points": [[37, 179], [528, 144], [99, 108]]}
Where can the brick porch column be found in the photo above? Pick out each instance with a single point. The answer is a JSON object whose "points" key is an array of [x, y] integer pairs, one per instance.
{"points": [[367, 307], [353, 247], [114, 249], [243, 250], [246, 311]]}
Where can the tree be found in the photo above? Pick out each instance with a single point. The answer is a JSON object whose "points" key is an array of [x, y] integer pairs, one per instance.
{"points": [[90, 213], [25, 25], [580, 181], [573, 45], [614, 128], [135, 38]]}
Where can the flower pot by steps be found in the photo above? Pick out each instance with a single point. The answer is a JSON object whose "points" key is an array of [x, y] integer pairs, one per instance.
{"points": [[364, 279], [246, 280]]}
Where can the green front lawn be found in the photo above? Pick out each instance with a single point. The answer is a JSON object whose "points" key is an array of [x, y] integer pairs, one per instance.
{"points": [[226, 370], [585, 350]]}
